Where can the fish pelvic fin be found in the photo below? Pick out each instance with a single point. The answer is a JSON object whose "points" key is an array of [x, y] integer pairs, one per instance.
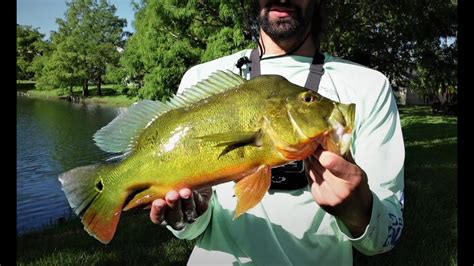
{"points": [[251, 189], [87, 195]]}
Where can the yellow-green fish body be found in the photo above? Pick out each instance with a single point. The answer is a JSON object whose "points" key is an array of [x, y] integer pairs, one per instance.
{"points": [[224, 128]]}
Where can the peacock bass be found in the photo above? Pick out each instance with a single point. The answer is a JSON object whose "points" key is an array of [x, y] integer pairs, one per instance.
{"points": [[224, 128]]}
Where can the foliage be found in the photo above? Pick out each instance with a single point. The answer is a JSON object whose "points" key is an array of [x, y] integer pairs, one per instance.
{"points": [[29, 45], [172, 36], [435, 77], [86, 43], [402, 39]]}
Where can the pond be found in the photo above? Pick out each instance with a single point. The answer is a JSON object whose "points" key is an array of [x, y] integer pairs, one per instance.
{"points": [[52, 137]]}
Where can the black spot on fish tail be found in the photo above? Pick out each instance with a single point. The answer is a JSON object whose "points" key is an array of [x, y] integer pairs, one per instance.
{"points": [[99, 186]]}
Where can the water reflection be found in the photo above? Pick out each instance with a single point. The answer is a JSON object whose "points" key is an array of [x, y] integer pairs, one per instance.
{"points": [[52, 137]]}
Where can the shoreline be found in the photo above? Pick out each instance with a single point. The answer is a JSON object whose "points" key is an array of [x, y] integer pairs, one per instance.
{"points": [[56, 95]]}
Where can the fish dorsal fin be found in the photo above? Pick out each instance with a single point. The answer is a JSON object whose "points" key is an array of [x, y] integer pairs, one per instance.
{"points": [[119, 135], [217, 82]]}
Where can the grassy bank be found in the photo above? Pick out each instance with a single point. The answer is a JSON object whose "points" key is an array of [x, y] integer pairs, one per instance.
{"points": [[429, 236], [137, 242], [109, 95]]}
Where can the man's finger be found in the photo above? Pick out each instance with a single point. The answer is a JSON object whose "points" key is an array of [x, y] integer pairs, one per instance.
{"points": [[334, 163], [201, 199], [187, 205], [157, 211], [314, 169], [174, 214]]}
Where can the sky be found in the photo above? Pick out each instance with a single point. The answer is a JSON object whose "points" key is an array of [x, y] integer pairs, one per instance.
{"points": [[42, 14]]}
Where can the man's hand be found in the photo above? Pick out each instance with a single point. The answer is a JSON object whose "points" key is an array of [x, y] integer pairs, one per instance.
{"points": [[341, 188], [180, 207]]}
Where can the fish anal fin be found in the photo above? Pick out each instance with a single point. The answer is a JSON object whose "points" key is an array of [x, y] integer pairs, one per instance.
{"points": [[143, 198], [251, 189]]}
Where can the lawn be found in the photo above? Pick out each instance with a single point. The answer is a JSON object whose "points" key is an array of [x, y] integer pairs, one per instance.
{"points": [[429, 236], [108, 97]]}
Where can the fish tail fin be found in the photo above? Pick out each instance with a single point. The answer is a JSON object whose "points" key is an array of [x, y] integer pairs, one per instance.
{"points": [[87, 195]]}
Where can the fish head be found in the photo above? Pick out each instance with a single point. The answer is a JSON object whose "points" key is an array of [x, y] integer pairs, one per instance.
{"points": [[317, 118], [298, 120]]}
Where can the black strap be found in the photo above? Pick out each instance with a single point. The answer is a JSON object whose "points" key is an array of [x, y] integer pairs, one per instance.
{"points": [[254, 63], [316, 69], [292, 175]]}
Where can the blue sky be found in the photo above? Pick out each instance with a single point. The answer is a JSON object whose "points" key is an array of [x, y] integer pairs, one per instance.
{"points": [[42, 14]]}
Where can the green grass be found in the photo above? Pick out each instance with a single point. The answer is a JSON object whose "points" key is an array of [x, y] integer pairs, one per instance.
{"points": [[429, 236], [138, 242], [109, 95]]}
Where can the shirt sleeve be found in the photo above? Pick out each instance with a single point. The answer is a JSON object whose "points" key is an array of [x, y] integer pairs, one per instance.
{"points": [[189, 79], [378, 149]]}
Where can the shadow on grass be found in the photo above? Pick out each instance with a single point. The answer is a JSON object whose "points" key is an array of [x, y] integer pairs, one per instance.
{"points": [[105, 90], [24, 86]]}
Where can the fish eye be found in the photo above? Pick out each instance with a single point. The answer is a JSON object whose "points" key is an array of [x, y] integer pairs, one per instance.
{"points": [[309, 97]]}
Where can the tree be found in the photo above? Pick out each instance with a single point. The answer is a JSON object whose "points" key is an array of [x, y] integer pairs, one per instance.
{"points": [[29, 45], [86, 42], [171, 36], [402, 39]]}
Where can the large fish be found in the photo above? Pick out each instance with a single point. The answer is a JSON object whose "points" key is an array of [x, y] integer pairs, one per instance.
{"points": [[224, 128]]}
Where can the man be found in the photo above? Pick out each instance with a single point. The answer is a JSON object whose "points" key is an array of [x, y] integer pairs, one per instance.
{"points": [[346, 203]]}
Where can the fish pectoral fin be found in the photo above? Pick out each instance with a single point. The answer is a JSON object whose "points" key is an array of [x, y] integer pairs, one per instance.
{"points": [[234, 140], [145, 197], [251, 189]]}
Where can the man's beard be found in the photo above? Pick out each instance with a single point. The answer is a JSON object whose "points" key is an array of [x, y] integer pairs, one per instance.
{"points": [[285, 28]]}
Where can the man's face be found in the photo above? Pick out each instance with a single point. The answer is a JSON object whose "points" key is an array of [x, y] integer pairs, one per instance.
{"points": [[282, 20]]}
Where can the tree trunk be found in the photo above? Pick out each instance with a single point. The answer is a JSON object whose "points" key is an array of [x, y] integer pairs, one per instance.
{"points": [[99, 91], [85, 88]]}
